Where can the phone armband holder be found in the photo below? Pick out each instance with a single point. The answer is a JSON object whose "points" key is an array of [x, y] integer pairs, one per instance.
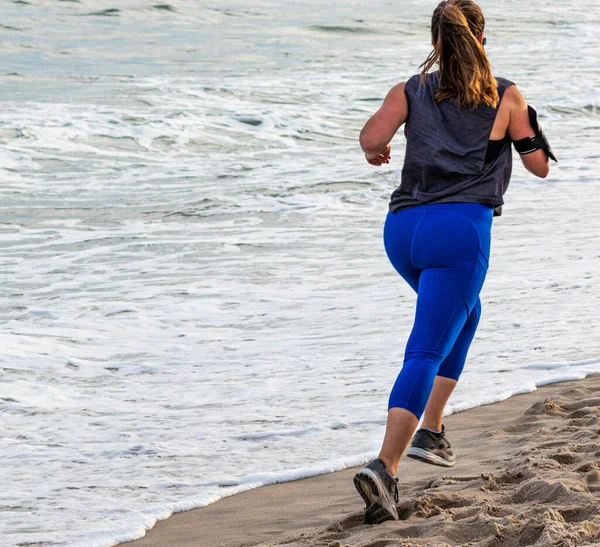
{"points": [[539, 142]]}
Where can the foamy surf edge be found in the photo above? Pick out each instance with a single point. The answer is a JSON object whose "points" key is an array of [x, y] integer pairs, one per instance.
{"points": [[252, 481], [248, 482]]}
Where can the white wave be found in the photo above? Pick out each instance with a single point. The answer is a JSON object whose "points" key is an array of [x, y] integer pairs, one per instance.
{"points": [[249, 482], [193, 298]]}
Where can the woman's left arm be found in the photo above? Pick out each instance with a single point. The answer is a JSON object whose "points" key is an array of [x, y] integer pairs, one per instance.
{"points": [[382, 126]]}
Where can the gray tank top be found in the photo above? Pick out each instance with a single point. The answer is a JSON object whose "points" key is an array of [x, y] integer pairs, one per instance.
{"points": [[446, 149]]}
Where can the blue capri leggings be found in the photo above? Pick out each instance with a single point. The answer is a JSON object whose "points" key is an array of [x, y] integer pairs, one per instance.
{"points": [[442, 251]]}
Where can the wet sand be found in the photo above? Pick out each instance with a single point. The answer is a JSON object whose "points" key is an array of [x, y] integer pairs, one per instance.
{"points": [[528, 473]]}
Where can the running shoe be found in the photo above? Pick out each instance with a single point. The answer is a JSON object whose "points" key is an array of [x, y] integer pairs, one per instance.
{"points": [[379, 490], [431, 448]]}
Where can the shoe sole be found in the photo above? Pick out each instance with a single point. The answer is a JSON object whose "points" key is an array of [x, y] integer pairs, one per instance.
{"points": [[427, 457], [373, 492]]}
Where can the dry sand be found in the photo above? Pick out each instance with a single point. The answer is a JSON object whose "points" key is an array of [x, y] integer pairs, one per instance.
{"points": [[528, 473]]}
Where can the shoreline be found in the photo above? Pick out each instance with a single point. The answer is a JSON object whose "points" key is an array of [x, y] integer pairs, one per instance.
{"points": [[312, 506]]}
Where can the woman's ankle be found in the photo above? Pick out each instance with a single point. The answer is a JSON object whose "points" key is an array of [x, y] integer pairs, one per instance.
{"points": [[389, 465], [434, 426]]}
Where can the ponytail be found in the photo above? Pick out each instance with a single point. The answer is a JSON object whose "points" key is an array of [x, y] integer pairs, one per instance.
{"points": [[465, 72]]}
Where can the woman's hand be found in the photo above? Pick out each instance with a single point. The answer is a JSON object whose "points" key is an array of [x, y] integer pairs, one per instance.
{"points": [[380, 158]]}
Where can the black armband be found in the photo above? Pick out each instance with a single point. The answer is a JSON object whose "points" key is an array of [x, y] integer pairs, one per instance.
{"points": [[529, 145]]}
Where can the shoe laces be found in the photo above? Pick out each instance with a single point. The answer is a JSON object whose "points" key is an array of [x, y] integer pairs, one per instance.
{"points": [[396, 496]]}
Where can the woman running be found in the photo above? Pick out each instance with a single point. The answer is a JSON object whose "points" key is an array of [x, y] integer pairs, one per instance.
{"points": [[460, 122]]}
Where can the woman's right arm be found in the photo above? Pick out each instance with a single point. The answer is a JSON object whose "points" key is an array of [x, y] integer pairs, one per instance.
{"points": [[519, 128], [382, 126]]}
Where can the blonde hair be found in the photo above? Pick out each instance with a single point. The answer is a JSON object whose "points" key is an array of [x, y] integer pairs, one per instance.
{"points": [[465, 72]]}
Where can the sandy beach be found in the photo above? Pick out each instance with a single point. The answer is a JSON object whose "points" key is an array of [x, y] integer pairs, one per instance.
{"points": [[528, 473]]}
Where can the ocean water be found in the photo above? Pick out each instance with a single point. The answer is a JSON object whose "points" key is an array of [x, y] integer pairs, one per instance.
{"points": [[194, 295]]}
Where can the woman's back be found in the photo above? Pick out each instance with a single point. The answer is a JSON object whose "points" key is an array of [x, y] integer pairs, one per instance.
{"points": [[447, 150], [447, 105]]}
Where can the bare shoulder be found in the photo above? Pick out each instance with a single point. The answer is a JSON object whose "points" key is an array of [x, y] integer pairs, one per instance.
{"points": [[397, 92], [519, 126], [396, 99], [514, 98]]}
